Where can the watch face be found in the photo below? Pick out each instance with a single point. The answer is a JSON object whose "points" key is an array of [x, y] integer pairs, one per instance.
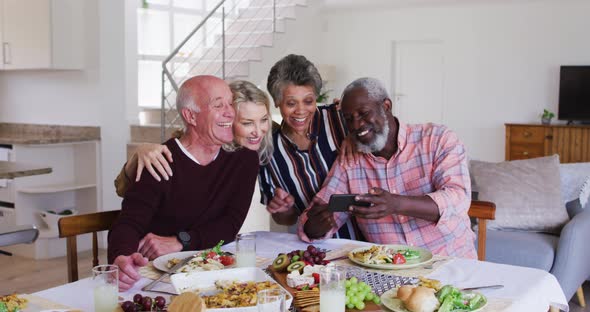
{"points": [[184, 236]]}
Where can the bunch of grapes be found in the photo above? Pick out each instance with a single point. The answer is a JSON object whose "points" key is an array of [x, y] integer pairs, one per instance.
{"points": [[312, 255], [144, 303], [359, 292]]}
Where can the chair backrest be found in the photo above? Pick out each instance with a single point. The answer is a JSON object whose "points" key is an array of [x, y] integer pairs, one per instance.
{"points": [[73, 226], [482, 211]]}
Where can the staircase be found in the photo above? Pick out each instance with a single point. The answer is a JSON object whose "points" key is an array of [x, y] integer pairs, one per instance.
{"points": [[230, 40]]}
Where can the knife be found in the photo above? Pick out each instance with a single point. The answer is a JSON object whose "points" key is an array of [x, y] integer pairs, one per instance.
{"points": [[483, 287], [175, 268]]}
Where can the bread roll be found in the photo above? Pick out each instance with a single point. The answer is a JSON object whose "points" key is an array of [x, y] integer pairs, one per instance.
{"points": [[422, 299], [404, 292], [187, 302]]}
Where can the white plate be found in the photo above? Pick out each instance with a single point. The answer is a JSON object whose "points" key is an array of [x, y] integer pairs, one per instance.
{"points": [[160, 262], [389, 299], [207, 279], [425, 257]]}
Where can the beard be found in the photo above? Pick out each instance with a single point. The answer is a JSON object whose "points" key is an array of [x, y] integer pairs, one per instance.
{"points": [[377, 144]]}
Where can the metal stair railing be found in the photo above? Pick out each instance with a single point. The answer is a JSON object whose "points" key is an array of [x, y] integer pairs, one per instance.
{"points": [[177, 61]]}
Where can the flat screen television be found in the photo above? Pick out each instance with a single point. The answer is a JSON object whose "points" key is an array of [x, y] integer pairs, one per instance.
{"points": [[574, 93]]}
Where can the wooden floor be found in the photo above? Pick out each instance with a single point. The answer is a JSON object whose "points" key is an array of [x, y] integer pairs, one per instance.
{"points": [[25, 276]]}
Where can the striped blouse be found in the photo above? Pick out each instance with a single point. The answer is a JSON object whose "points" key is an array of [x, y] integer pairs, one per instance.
{"points": [[302, 172]]}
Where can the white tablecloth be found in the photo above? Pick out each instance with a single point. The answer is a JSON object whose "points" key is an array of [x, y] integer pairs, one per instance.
{"points": [[528, 289]]}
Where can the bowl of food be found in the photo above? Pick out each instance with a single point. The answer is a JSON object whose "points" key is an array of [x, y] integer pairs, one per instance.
{"points": [[50, 217]]}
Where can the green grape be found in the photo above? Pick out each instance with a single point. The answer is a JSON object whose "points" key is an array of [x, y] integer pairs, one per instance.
{"points": [[354, 280], [360, 305], [350, 305], [354, 288], [361, 297], [377, 300], [347, 299], [369, 296], [347, 283]]}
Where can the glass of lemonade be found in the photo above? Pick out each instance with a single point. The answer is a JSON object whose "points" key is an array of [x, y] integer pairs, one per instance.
{"points": [[271, 300], [246, 250], [105, 280], [332, 289]]}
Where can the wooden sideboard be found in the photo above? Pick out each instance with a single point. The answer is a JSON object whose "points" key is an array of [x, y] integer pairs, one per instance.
{"points": [[571, 143]]}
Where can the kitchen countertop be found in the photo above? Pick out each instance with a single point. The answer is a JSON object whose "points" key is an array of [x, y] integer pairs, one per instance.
{"points": [[11, 169], [14, 133]]}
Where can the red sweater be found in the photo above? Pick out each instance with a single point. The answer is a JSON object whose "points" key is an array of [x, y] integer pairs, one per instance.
{"points": [[210, 202]]}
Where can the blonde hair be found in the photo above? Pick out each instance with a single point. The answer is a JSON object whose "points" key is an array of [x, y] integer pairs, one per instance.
{"points": [[244, 91]]}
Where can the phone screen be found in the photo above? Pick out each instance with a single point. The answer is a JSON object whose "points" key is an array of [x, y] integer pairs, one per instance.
{"points": [[341, 202]]}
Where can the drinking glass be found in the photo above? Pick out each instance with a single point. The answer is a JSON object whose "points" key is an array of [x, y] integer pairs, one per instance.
{"points": [[271, 300], [105, 280], [332, 289], [246, 250]]}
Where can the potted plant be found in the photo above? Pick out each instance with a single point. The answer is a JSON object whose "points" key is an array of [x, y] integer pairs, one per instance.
{"points": [[546, 117], [323, 96]]}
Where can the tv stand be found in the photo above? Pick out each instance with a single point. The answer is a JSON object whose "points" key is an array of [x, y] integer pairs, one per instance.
{"points": [[570, 142], [578, 122]]}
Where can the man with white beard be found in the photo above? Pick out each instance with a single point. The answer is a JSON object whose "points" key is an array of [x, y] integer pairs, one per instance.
{"points": [[414, 176]]}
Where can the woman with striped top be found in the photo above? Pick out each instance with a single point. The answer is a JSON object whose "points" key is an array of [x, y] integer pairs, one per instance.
{"points": [[306, 144]]}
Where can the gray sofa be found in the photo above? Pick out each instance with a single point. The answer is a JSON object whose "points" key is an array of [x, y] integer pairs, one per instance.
{"points": [[567, 255]]}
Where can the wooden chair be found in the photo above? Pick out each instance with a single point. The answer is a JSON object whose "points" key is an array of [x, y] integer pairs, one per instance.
{"points": [[482, 211], [73, 226]]}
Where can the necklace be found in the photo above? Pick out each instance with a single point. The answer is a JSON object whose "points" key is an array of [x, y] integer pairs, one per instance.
{"points": [[301, 140]]}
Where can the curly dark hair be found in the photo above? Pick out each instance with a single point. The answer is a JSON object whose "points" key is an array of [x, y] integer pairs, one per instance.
{"points": [[292, 70]]}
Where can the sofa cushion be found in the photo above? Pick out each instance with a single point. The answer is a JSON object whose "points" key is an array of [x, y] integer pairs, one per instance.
{"points": [[526, 193], [529, 249]]}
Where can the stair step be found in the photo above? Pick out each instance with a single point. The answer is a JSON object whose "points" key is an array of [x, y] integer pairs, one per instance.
{"points": [[215, 68], [265, 12], [259, 24], [235, 54], [278, 2], [152, 116], [148, 134]]}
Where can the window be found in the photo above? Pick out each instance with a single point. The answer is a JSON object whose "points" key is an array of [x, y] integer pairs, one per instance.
{"points": [[161, 26]]}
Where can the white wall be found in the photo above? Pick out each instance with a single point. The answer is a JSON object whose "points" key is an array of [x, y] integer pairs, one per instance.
{"points": [[94, 96], [501, 59]]}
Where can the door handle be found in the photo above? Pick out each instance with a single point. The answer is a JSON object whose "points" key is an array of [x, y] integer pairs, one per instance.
{"points": [[6, 57]]}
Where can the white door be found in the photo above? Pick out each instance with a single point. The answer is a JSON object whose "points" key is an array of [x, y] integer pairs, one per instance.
{"points": [[418, 81], [26, 34]]}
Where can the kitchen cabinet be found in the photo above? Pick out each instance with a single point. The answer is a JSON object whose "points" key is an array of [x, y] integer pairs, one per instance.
{"points": [[42, 34], [73, 154], [570, 142], [73, 184]]}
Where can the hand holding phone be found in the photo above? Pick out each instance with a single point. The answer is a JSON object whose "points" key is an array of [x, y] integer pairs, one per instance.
{"points": [[341, 202]]}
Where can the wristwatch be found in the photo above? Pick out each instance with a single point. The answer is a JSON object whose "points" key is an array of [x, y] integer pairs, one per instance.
{"points": [[184, 238]]}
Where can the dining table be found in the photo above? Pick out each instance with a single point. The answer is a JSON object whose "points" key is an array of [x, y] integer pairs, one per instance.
{"points": [[525, 289]]}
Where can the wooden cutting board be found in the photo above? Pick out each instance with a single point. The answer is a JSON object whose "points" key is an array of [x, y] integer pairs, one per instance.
{"points": [[281, 278]]}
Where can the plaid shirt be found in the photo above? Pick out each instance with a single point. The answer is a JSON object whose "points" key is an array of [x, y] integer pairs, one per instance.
{"points": [[430, 161]]}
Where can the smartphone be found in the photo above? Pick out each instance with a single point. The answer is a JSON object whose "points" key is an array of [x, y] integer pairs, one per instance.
{"points": [[341, 202]]}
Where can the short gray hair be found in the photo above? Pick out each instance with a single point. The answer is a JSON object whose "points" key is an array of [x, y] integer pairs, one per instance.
{"points": [[292, 70], [185, 99], [375, 89]]}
